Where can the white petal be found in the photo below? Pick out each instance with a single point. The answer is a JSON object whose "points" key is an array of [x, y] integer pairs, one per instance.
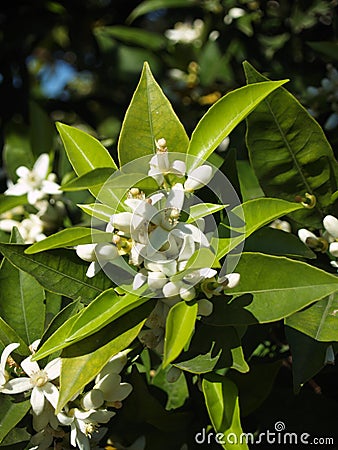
{"points": [[139, 280], [187, 293], [136, 257], [122, 221], [34, 195], [156, 280], [304, 234], [331, 225], [102, 415], [92, 399], [176, 197], [18, 189], [187, 248], [6, 352], [155, 198], [64, 419], [233, 280], [106, 252], [8, 224], [157, 239], [120, 393], [198, 177], [171, 289], [53, 369], [191, 230], [23, 172], [41, 166], [158, 177], [30, 366], [37, 400], [93, 269], [49, 187], [333, 249], [114, 365], [178, 167], [86, 252], [17, 385]]}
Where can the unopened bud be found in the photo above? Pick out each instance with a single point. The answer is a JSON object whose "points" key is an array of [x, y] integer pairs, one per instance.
{"points": [[331, 225]]}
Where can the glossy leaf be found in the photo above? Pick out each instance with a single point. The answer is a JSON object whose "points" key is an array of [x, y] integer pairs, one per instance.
{"points": [[257, 213], [223, 117], [203, 209], [274, 287], [319, 321], [179, 327], [8, 202], [249, 183], [10, 414], [8, 335], [78, 369], [84, 152], [289, 152], [17, 150], [96, 177], [104, 309], [59, 271], [277, 242], [70, 237], [221, 398], [153, 5], [21, 302], [308, 356], [149, 117]]}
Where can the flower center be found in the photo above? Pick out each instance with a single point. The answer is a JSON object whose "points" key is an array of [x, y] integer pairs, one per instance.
{"points": [[39, 378]]}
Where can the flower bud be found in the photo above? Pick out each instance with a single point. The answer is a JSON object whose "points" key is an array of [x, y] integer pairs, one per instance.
{"points": [[92, 400], [198, 178], [205, 307], [156, 280], [170, 289], [122, 221], [187, 294], [231, 280], [305, 234], [86, 252], [331, 225], [106, 252], [333, 249]]}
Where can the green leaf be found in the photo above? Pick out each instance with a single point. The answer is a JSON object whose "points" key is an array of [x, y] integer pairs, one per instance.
{"points": [[104, 309], [179, 327], [8, 202], [308, 356], [223, 117], [96, 177], [274, 287], [78, 369], [153, 5], [58, 271], [277, 242], [84, 152], [70, 237], [149, 117], [11, 414], [290, 153], [201, 363], [221, 398], [138, 36], [257, 213], [319, 321], [21, 302], [203, 209], [15, 436], [249, 183], [8, 335]]}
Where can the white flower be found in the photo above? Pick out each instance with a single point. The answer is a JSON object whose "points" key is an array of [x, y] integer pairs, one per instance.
{"points": [[4, 356], [83, 424], [36, 183], [331, 225], [30, 229], [98, 255], [38, 381], [185, 33], [198, 178]]}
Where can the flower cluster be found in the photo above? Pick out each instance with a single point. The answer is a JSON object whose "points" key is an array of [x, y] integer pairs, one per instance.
{"points": [[327, 242], [159, 245], [45, 208], [83, 414], [325, 97]]}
